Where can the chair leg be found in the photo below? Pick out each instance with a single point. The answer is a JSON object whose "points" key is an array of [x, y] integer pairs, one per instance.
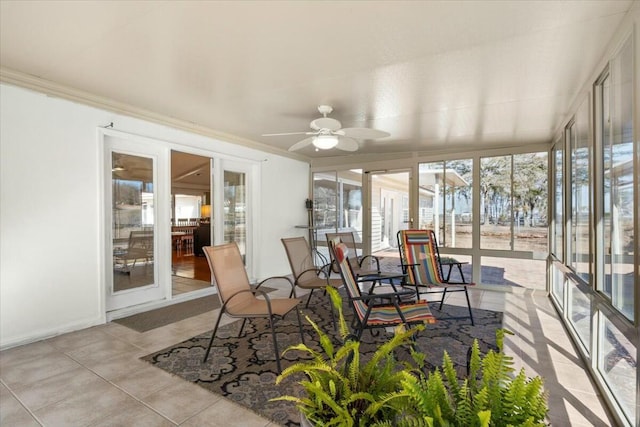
{"points": [[300, 325], [244, 321], [213, 334], [275, 344], [466, 294], [308, 299], [444, 293]]}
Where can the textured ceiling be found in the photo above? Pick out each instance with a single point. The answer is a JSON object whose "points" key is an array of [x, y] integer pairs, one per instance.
{"points": [[435, 75]]}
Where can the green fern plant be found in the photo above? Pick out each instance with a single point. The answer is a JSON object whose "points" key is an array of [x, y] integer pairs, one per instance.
{"points": [[489, 396], [343, 390]]}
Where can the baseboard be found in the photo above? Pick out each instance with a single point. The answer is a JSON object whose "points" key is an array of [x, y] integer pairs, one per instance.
{"points": [[50, 333]]}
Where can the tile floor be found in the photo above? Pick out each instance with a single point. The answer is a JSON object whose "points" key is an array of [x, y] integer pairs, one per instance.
{"points": [[93, 377], [183, 285]]}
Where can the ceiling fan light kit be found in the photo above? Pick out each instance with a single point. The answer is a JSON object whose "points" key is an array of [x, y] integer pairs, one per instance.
{"points": [[325, 142], [328, 133]]}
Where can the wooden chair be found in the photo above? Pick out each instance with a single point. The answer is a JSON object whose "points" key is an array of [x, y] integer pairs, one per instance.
{"points": [[377, 310], [238, 299], [419, 258]]}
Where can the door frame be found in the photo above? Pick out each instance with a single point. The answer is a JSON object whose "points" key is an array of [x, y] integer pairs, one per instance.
{"points": [[367, 201], [110, 141]]}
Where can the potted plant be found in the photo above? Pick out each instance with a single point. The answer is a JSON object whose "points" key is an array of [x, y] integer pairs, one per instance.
{"points": [[344, 390], [490, 395]]}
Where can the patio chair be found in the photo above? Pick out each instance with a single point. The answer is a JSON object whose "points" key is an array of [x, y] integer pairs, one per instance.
{"points": [[419, 258], [377, 310], [139, 247], [305, 273], [238, 299], [361, 265]]}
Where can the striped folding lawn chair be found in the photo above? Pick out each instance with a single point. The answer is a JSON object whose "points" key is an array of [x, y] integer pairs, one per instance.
{"points": [[419, 258], [377, 310]]}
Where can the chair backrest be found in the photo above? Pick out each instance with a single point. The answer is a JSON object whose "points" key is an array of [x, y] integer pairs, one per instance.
{"points": [[340, 252], [141, 239], [227, 268], [418, 254], [349, 240], [300, 258]]}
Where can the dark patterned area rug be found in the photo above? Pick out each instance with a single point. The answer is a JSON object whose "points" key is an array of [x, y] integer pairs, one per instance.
{"points": [[244, 369]]}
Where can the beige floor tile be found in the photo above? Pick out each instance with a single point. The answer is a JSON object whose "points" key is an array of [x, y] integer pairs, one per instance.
{"points": [[133, 413], [56, 388], [34, 370], [118, 365], [576, 408], [25, 353], [145, 381], [180, 401], [93, 404], [12, 412], [573, 377], [121, 332], [225, 413], [79, 339], [102, 350]]}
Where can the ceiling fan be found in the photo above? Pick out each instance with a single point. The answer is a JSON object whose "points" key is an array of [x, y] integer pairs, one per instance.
{"points": [[328, 133]]}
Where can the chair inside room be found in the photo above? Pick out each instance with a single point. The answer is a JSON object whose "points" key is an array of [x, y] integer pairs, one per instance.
{"points": [[139, 247], [306, 275], [239, 300], [377, 310], [419, 258], [361, 265]]}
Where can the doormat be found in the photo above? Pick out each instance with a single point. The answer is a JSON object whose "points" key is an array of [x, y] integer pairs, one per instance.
{"points": [[143, 322]]}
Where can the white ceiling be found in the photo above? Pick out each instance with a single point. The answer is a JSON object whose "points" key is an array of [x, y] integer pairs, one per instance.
{"points": [[435, 75]]}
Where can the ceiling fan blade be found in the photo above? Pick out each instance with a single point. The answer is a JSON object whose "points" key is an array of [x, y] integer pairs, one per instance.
{"points": [[364, 133], [347, 144], [301, 144], [288, 133]]}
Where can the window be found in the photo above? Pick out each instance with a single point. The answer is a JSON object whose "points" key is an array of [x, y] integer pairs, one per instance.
{"points": [[614, 118], [558, 204], [530, 193], [578, 135], [337, 202], [618, 364], [445, 201], [495, 203], [513, 206], [186, 207]]}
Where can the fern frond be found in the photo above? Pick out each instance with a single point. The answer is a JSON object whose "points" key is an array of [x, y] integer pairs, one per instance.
{"points": [[475, 363], [336, 300], [464, 415], [450, 374]]}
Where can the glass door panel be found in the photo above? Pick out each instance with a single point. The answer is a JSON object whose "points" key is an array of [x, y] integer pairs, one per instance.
{"points": [[390, 211], [337, 206], [191, 210], [131, 195], [445, 201], [235, 206]]}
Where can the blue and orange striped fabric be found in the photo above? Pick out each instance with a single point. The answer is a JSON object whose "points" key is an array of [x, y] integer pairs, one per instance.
{"points": [[379, 314], [418, 248]]}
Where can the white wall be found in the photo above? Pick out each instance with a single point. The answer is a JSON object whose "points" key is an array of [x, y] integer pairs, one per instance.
{"points": [[50, 267]]}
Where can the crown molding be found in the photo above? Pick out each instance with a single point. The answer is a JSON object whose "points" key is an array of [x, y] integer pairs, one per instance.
{"points": [[68, 93]]}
